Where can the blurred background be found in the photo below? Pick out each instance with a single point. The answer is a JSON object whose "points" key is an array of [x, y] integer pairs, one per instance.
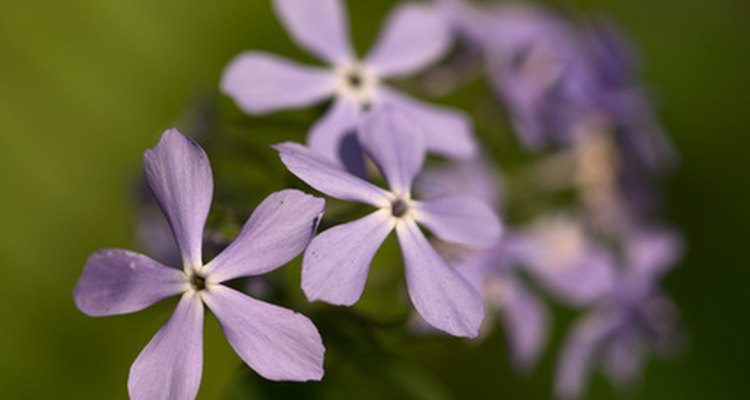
{"points": [[86, 86]]}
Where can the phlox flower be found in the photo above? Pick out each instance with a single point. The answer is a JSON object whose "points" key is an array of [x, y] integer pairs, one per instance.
{"points": [[635, 318], [414, 36], [336, 263], [279, 344]]}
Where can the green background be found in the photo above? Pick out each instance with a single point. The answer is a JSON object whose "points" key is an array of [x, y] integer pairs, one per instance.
{"points": [[87, 85]]}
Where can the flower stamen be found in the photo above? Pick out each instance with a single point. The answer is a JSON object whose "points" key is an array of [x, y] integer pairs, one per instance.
{"points": [[399, 208]]}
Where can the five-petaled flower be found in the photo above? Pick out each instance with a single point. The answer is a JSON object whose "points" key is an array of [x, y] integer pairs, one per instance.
{"points": [[276, 342], [414, 36], [336, 263], [636, 317]]}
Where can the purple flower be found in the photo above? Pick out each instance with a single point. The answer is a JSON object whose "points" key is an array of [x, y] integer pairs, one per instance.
{"points": [[277, 343], [336, 263], [414, 36], [635, 318], [535, 64]]}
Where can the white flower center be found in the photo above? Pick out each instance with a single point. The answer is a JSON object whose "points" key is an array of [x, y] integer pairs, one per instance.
{"points": [[356, 82]]}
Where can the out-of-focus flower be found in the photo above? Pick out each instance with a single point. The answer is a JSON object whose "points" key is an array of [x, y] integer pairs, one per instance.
{"points": [[414, 36], [336, 263], [635, 319], [560, 82], [278, 343]]}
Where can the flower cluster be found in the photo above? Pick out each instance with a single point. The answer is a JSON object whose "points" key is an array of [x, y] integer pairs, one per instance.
{"points": [[574, 101]]}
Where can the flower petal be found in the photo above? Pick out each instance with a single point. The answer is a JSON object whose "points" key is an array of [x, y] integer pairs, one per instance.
{"points": [[460, 219], [652, 253], [170, 366], [624, 357], [579, 282], [319, 26], [279, 344], [328, 177], [414, 36], [395, 144], [579, 355], [277, 231], [333, 136], [441, 296], [476, 176], [526, 321], [448, 131], [337, 261], [261, 83], [118, 281], [179, 175]]}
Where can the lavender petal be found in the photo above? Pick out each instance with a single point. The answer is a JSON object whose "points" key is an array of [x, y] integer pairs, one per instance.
{"points": [[329, 133], [179, 175], [441, 296], [118, 281], [526, 321], [261, 83], [579, 355], [414, 36], [279, 344], [170, 366], [448, 131], [337, 261], [277, 231], [460, 219], [395, 144], [328, 177], [319, 26]]}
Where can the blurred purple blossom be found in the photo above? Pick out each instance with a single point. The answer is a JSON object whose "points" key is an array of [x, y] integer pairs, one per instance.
{"points": [[277, 343], [336, 263], [414, 36], [635, 319]]}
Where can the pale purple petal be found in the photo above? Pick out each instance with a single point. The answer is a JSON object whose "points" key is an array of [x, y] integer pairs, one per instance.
{"points": [[441, 296], [579, 355], [653, 252], [320, 26], [261, 83], [448, 132], [476, 177], [582, 281], [328, 177], [179, 175], [279, 344], [395, 144], [332, 135], [337, 261], [414, 36], [119, 281], [277, 231], [460, 219], [170, 366], [526, 321], [624, 357]]}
